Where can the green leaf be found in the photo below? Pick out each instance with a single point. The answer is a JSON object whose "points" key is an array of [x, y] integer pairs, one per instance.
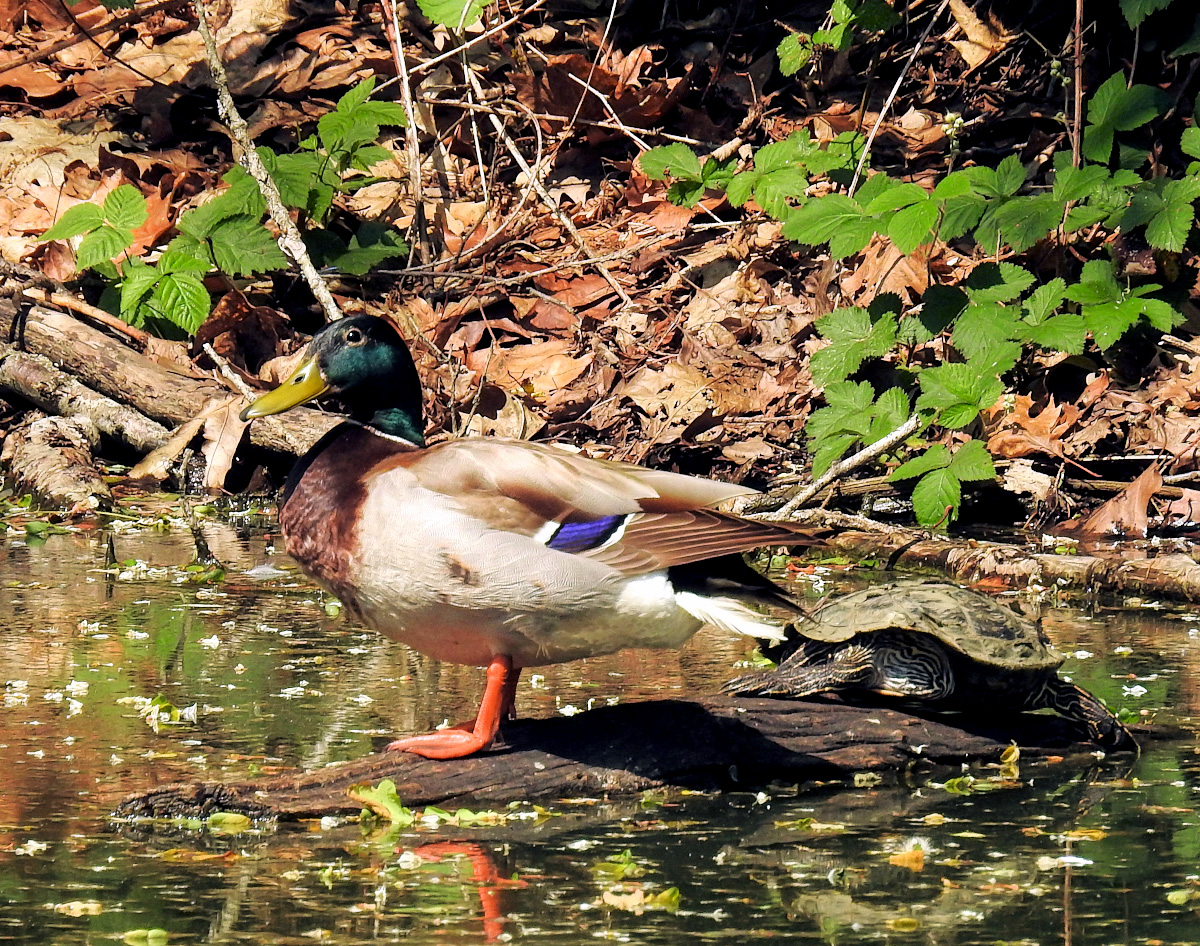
{"points": [[891, 410], [382, 113], [685, 193], [936, 457], [383, 801], [81, 218], [353, 97], [818, 219], [370, 246], [1097, 284], [101, 245], [673, 160], [1189, 142], [934, 493], [293, 174], [794, 51], [960, 214], [1189, 45], [241, 198], [1072, 183], [982, 327], [1113, 107], [1137, 10], [828, 450], [125, 207], [242, 246], [1161, 315], [774, 189], [1169, 228], [182, 299], [342, 132], [940, 306], [913, 226], [854, 337], [452, 13], [972, 462], [895, 197], [1045, 300], [997, 282], [955, 393], [874, 16], [137, 280], [1065, 333], [1010, 175], [1024, 221]]}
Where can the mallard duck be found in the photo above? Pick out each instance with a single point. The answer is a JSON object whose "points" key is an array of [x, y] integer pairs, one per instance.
{"points": [[501, 553]]}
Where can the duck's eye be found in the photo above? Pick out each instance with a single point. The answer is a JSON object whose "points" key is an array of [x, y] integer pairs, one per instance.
{"points": [[354, 337]]}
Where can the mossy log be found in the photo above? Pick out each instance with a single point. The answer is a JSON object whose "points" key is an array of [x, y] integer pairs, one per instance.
{"points": [[718, 743]]}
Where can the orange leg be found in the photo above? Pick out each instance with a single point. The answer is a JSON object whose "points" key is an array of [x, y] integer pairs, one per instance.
{"points": [[462, 740]]}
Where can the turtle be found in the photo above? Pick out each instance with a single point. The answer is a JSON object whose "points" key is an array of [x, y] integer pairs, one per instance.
{"points": [[935, 643]]}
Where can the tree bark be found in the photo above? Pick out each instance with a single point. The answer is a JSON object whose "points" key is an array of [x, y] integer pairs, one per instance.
{"points": [[110, 367], [718, 743]]}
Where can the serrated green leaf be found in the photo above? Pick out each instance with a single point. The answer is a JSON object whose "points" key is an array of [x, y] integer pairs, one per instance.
{"points": [[1010, 175], [997, 282], [1113, 107], [81, 218], [1071, 183], [382, 114], [673, 160], [1189, 142], [353, 97], [937, 457], [371, 245], [182, 299], [934, 494], [818, 219], [794, 52], [940, 306], [913, 226], [983, 326], [1110, 320], [685, 193], [718, 173], [241, 198], [960, 214], [774, 189], [292, 174], [895, 197], [1024, 221], [1137, 10], [874, 16], [828, 451], [242, 246], [956, 393], [850, 397], [137, 280], [1097, 284], [741, 187], [1169, 228], [125, 207], [1065, 333], [452, 13], [101, 245], [1044, 301], [342, 132], [852, 238], [971, 462], [890, 411], [954, 184], [1161, 315]]}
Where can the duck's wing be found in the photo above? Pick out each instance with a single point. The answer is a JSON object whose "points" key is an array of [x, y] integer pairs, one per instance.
{"points": [[627, 517]]}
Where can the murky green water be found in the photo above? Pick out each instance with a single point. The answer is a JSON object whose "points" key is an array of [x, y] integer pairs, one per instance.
{"points": [[1069, 852]]}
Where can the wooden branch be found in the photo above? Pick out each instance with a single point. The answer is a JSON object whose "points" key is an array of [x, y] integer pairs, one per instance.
{"points": [[37, 380], [712, 744], [968, 560], [104, 364]]}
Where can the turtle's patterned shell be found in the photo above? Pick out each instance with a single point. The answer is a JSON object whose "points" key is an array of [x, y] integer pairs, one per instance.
{"points": [[964, 620]]}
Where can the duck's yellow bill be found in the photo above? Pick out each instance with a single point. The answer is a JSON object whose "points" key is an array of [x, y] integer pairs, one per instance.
{"points": [[303, 384]]}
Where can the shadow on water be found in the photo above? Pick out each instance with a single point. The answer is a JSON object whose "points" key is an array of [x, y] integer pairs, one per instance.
{"points": [[1055, 852]]}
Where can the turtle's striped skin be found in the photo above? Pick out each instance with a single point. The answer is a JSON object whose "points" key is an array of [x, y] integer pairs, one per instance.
{"points": [[932, 642]]}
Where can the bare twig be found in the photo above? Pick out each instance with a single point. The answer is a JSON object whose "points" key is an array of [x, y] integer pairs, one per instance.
{"points": [[937, 15], [420, 229], [235, 379], [474, 40], [865, 455], [552, 205], [290, 240], [65, 300], [1077, 79]]}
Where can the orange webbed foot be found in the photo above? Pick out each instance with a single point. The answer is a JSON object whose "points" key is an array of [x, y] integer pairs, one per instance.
{"points": [[468, 738]]}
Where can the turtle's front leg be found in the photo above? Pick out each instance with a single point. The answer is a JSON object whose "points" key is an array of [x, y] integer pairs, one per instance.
{"points": [[1074, 702]]}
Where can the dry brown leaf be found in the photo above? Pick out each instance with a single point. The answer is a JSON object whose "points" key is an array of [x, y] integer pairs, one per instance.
{"points": [[1022, 435], [983, 40], [1183, 511], [1125, 514], [156, 465], [540, 369], [913, 860], [223, 430], [677, 393]]}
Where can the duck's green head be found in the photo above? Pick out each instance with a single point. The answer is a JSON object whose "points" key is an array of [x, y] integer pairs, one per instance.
{"points": [[364, 363]]}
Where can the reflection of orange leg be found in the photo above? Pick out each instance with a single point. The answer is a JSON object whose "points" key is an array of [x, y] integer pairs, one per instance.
{"points": [[484, 874], [470, 737]]}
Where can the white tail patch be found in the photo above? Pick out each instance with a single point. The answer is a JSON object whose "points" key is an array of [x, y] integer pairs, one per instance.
{"points": [[729, 615]]}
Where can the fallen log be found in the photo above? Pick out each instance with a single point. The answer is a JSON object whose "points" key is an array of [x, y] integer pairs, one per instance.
{"points": [[112, 368], [718, 743], [1168, 575]]}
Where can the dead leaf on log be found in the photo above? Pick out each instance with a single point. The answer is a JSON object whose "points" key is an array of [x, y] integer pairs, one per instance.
{"points": [[983, 40], [223, 431], [1125, 514]]}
